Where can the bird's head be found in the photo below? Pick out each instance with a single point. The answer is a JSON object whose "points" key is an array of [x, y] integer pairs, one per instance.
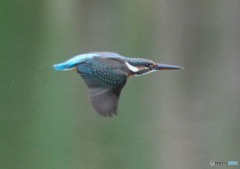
{"points": [[140, 66]]}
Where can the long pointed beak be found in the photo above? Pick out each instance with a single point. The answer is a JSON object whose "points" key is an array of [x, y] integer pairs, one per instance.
{"points": [[167, 67]]}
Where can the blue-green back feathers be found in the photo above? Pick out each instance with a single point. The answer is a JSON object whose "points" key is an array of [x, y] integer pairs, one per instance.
{"points": [[73, 62]]}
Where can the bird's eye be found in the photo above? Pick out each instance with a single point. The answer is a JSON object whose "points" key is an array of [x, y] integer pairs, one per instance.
{"points": [[147, 64]]}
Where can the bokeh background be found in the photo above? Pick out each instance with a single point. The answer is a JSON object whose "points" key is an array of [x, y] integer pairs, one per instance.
{"points": [[169, 119]]}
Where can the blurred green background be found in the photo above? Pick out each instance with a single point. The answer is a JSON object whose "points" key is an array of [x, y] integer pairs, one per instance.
{"points": [[169, 119]]}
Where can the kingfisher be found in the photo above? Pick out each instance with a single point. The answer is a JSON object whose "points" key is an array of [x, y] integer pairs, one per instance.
{"points": [[106, 73]]}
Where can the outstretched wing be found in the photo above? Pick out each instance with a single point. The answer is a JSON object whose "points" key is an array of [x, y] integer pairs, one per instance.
{"points": [[105, 78]]}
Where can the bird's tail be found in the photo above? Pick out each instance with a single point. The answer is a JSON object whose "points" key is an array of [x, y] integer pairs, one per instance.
{"points": [[65, 66], [73, 62]]}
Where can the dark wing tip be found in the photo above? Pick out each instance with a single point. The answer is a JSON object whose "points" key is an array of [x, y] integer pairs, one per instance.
{"points": [[104, 101], [106, 113]]}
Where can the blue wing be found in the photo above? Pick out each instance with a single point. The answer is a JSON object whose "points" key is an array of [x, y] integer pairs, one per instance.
{"points": [[105, 79]]}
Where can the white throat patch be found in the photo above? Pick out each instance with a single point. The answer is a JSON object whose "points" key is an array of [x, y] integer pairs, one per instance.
{"points": [[132, 68], [146, 72]]}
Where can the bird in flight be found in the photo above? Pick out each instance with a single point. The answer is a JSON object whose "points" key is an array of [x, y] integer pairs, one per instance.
{"points": [[106, 73]]}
